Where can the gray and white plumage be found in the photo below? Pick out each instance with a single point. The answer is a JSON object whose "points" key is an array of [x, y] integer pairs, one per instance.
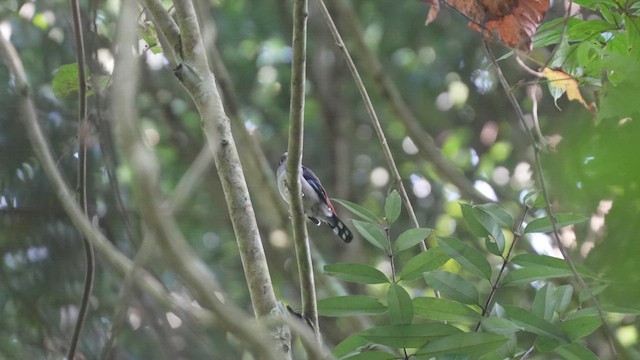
{"points": [[316, 203]]}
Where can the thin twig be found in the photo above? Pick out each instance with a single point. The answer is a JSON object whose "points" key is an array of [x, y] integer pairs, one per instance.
{"points": [[390, 255], [83, 133], [374, 118], [529, 352], [552, 216]]}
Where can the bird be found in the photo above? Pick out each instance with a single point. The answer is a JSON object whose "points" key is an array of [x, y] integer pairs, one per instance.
{"points": [[317, 205]]}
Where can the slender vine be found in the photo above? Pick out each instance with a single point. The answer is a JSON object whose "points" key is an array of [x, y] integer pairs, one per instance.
{"points": [[83, 133]]}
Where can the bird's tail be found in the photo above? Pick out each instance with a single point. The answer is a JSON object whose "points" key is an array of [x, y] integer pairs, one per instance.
{"points": [[340, 229]]}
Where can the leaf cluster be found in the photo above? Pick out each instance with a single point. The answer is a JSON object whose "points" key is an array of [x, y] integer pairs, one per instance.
{"points": [[458, 317]]}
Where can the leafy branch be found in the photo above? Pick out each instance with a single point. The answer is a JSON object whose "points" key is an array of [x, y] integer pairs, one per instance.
{"points": [[551, 213], [517, 231]]}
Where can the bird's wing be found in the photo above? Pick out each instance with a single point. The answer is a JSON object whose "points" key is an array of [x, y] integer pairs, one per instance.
{"points": [[313, 180]]}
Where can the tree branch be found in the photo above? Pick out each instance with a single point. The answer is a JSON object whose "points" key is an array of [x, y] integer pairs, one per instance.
{"points": [[294, 163], [146, 179], [193, 73]]}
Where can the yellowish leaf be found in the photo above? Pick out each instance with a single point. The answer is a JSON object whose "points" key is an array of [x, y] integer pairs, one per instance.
{"points": [[561, 80]]}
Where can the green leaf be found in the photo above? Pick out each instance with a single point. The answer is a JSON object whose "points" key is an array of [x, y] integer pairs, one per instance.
{"points": [[453, 286], [563, 298], [356, 272], [543, 224], [533, 273], [500, 215], [633, 34], [534, 324], [350, 305], [407, 336], [444, 310], [410, 238], [540, 202], [500, 326], [530, 198], [372, 234], [147, 32], [474, 344], [585, 294], [492, 246], [586, 30], [349, 346], [620, 310], [546, 344], [371, 355], [605, 308], [424, 262], [469, 258], [359, 211], [544, 302], [525, 260], [474, 226], [552, 31], [575, 351], [392, 207], [492, 226], [577, 328], [400, 306], [65, 80]]}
